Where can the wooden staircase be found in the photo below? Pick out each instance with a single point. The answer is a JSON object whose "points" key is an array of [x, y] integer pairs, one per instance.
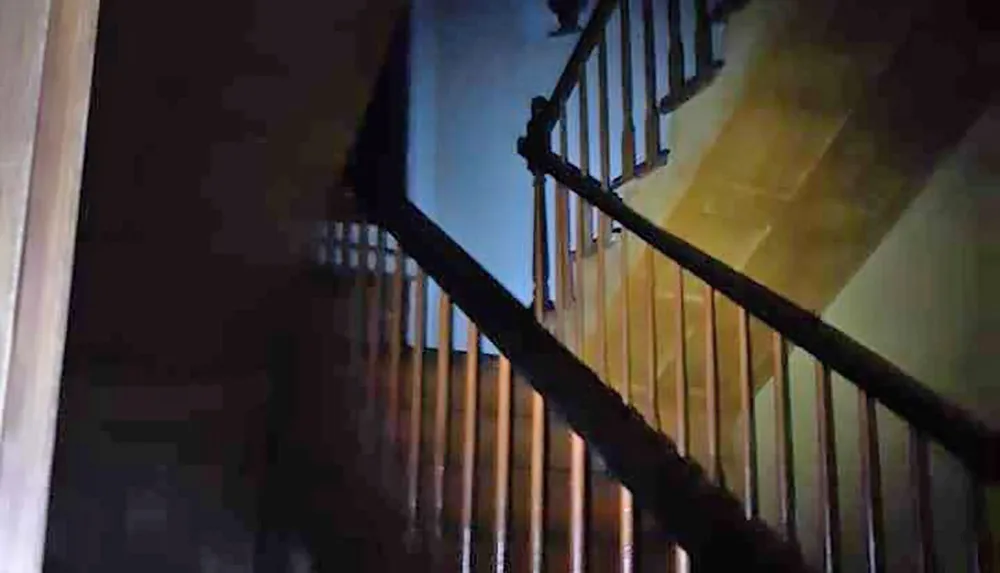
{"points": [[664, 328]]}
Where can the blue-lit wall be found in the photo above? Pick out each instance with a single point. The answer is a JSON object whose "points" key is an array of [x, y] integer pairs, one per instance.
{"points": [[475, 65]]}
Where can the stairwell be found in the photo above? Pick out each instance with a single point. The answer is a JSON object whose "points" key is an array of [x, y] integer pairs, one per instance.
{"points": [[790, 166]]}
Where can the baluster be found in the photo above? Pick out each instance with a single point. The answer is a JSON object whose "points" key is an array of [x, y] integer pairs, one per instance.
{"points": [[652, 355], [416, 401], [342, 246], [578, 488], [652, 110], [871, 483], [675, 49], [603, 222], [441, 411], [712, 388], [395, 356], [628, 122], [603, 113], [747, 393], [564, 294], [469, 444], [704, 56], [375, 310], [784, 461], [540, 252], [920, 489], [574, 291], [828, 485], [605, 140], [359, 293], [368, 310], [681, 380], [536, 526], [584, 212], [501, 500], [627, 536], [562, 238], [334, 244]]}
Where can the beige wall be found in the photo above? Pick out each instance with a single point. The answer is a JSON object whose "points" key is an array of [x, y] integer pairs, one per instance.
{"points": [[926, 300]]}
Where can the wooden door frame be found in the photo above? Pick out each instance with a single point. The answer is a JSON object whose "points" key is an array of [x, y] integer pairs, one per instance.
{"points": [[46, 64]]}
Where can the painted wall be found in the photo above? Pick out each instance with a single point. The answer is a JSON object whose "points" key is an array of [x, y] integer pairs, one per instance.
{"points": [[475, 65], [926, 300]]}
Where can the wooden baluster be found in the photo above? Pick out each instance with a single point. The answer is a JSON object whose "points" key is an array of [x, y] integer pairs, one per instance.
{"points": [[871, 484], [704, 55], [604, 137], [416, 403], [652, 109], [627, 535], [628, 120], [562, 246], [442, 409], [828, 486], [603, 222], [682, 437], [675, 49], [565, 291], [364, 321], [584, 212], [395, 355], [747, 393], [374, 373], [537, 468], [578, 471], [712, 388], [540, 260], [357, 322], [652, 353], [920, 475], [603, 112], [578, 464], [784, 460], [501, 500], [469, 445]]}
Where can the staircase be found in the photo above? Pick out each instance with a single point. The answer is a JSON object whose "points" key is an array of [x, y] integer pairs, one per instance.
{"points": [[646, 357]]}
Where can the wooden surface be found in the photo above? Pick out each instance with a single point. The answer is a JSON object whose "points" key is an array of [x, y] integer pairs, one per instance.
{"points": [[46, 56]]}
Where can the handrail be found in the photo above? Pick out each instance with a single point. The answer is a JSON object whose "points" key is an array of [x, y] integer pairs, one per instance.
{"points": [[971, 441], [589, 38], [700, 516]]}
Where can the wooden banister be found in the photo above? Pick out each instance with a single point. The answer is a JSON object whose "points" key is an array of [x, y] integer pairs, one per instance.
{"points": [[702, 517], [968, 439]]}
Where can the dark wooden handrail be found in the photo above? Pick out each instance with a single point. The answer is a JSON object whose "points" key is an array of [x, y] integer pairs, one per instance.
{"points": [[589, 39], [971, 441], [703, 518]]}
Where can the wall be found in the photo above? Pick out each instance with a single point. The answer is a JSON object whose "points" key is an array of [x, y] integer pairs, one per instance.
{"points": [[475, 67], [923, 300]]}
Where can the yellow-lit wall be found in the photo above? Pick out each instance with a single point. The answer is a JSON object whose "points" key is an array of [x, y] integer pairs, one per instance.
{"points": [[925, 299]]}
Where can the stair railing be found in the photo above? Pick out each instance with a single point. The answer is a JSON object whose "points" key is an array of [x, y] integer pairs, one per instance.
{"points": [[743, 334], [396, 399]]}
